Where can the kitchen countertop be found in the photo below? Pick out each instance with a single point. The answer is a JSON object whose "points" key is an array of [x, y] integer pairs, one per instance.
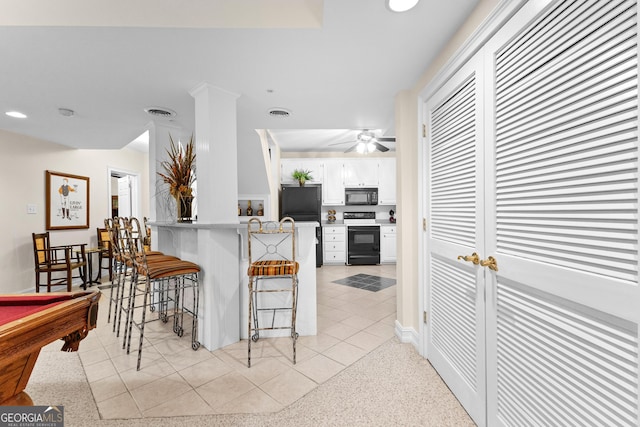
{"points": [[341, 222], [208, 225]]}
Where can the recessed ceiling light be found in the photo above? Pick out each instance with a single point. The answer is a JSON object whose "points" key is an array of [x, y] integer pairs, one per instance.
{"points": [[401, 5], [16, 114]]}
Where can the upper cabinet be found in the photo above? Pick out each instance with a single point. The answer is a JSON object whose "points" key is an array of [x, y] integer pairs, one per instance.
{"points": [[287, 166], [336, 174], [387, 181], [333, 183], [361, 172]]}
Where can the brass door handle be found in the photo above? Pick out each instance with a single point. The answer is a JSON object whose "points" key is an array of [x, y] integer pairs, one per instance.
{"points": [[474, 258], [490, 262]]}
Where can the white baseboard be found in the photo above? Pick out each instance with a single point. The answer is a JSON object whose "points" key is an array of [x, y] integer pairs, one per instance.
{"points": [[407, 335]]}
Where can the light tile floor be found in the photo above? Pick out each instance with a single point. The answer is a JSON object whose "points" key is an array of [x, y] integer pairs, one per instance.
{"points": [[175, 380]]}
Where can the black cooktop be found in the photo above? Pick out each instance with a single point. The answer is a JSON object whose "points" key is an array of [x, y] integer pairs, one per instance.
{"points": [[359, 215]]}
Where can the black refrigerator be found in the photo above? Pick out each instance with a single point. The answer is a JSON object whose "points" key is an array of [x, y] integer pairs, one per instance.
{"points": [[304, 204]]}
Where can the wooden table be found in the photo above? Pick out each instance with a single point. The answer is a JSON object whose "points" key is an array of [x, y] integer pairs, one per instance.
{"points": [[30, 321]]}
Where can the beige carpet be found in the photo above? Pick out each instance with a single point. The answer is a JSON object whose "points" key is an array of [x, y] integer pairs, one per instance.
{"points": [[392, 385]]}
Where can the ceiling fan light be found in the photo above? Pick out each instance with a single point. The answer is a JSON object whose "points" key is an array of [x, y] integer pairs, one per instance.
{"points": [[401, 5], [365, 137], [16, 114], [361, 148], [371, 147]]}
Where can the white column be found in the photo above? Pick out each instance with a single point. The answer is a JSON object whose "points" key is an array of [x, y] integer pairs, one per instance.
{"points": [[217, 174], [216, 154]]}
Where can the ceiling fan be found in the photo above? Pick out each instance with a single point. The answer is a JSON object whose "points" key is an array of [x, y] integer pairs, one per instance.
{"points": [[367, 142]]}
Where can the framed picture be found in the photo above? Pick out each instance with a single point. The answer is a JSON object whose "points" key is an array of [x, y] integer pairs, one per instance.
{"points": [[67, 201]]}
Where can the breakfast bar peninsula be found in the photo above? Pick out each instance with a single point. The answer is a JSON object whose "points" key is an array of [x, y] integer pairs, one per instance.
{"points": [[222, 254]]}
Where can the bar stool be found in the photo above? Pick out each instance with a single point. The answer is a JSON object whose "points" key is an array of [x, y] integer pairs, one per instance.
{"points": [[123, 265], [272, 255], [146, 241], [167, 278], [116, 263], [126, 242], [106, 252]]}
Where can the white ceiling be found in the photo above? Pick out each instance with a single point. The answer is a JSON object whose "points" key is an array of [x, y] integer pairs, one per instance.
{"points": [[335, 64]]}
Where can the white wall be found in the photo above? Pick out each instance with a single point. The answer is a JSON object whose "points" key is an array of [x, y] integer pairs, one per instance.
{"points": [[408, 139], [23, 163], [253, 176]]}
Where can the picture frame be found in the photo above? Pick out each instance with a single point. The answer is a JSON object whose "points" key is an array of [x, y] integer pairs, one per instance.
{"points": [[67, 201]]}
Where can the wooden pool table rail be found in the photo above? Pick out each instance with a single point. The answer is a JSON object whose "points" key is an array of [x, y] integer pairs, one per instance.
{"points": [[22, 339]]}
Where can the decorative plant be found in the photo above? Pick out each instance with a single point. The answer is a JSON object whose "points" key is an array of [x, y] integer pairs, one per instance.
{"points": [[302, 175], [179, 170]]}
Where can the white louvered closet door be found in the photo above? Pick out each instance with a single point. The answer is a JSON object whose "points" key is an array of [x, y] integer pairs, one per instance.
{"points": [[562, 216], [456, 335]]}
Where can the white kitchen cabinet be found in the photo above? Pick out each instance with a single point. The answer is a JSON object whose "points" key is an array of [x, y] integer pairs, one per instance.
{"points": [[334, 244], [387, 181], [287, 166], [387, 243], [333, 183], [361, 173]]}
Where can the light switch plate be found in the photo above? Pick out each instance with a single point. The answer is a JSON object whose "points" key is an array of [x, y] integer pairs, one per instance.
{"points": [[31, 209]]}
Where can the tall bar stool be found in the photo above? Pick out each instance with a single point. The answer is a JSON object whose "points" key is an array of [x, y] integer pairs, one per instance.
{"points": [[117, 260], [272, 255], [127, 242], [106, 252], [167, 278], [123, 266], [146, 241]]}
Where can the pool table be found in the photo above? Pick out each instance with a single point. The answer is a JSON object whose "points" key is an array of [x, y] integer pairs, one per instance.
{"points": [[30, 321]]}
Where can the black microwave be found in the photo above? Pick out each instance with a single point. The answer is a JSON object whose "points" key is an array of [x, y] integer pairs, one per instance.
{"points": [[360, 196]]}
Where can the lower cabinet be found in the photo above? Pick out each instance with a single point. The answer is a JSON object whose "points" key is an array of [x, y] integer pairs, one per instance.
{"points": [[334, 244], [388, 243]]}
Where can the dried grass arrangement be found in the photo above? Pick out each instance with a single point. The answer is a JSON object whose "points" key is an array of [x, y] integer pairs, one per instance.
{"points": [[180, 169]]}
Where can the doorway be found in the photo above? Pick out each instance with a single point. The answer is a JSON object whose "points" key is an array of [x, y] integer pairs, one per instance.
{"points": [[124, 193]]}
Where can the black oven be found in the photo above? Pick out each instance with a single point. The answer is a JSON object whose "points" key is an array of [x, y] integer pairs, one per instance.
{"points": [[363, 244]]}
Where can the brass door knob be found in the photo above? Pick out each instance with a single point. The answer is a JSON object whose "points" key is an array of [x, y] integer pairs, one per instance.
{"points": [[490, 262], [474, 258]]}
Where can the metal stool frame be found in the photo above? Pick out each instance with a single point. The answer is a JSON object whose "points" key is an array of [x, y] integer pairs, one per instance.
{"points": [[272, 249], [167, 277]]}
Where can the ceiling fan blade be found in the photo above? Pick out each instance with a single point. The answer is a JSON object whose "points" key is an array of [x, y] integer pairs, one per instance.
{"points": [[380, 147], [387, 139], [344, 142], [352, 148]]}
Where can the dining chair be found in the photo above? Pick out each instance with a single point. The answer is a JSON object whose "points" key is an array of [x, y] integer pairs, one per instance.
{"points": [[58, 263]]}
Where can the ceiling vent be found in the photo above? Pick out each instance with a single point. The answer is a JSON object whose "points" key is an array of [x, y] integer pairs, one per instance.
{"points": [[67, 112], [160, 112], [279, 112]]}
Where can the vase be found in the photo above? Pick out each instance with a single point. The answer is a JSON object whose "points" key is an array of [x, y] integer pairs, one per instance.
{"points": [[183, 205]]}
